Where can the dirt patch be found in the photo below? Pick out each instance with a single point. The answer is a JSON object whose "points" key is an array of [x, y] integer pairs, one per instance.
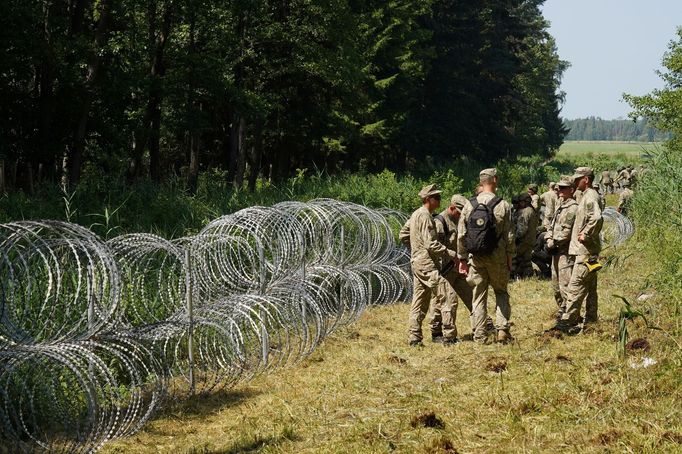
{"points": [[497, 365], [672, 437], [563, 358], [547, 336], [606, 380], [528, 408], [395, 359], [441, 445], [638, 344], [428, 419], [608, 438]]}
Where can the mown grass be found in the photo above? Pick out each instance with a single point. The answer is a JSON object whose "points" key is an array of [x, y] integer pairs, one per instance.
{"points": [[364, 390], [579, 148]]}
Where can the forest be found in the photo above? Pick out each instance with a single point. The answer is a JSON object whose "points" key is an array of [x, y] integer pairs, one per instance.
{"points": [[633, 130], [161, 90]]}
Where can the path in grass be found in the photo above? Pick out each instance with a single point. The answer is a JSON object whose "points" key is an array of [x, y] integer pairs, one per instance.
{"points": [[364, 390]]}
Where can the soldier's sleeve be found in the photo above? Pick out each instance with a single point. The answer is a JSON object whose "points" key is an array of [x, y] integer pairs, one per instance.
{"points": [[462, 251], [508, 231], [564, 234], [593, 218], [404, 235], [428, 233]]}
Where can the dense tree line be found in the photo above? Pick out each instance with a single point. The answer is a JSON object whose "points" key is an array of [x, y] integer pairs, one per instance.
{"points": [[595, 128], [154, 88]]}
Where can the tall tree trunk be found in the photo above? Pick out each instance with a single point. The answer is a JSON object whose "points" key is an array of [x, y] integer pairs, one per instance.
{"points": [[2, 177], [237, 151], [46, 100], [193, 170], [255, 156], [156, 92], [94, 65]]}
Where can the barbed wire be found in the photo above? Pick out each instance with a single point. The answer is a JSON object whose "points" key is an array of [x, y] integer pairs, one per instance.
{"points": [[617, 229], [95, 336]]}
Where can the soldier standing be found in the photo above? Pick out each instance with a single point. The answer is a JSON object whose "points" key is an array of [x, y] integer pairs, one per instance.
{"points": [[534, 197], [549, 200], [443, 323], [624, 199], [426, 253], [558, 239], [585, 245], [485, 231], [607, 182], [525, 235]]}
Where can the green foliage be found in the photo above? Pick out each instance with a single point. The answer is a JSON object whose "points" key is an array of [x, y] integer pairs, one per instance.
{"points": [[595, 128], [166, 90]]}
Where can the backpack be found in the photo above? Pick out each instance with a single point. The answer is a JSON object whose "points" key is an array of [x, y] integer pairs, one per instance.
{"points": [[481, 235]]}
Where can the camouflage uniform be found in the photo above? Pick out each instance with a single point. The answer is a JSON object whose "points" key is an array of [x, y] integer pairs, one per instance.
{"points": [[444, 309], [426, 252], [525, 235], [489, 270], [558, 240], [624, 200], [583, 283], [623, 177], [549, 200], [607, 182]]}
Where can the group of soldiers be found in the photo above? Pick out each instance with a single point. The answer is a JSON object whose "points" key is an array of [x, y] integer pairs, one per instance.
{"points": [[483, 242]]}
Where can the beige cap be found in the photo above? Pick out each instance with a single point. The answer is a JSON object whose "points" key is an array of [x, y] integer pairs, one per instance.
{"points": [[428, 191], [565, 181], [533, 187], [458, 201], [583, 172], [489, 172]]}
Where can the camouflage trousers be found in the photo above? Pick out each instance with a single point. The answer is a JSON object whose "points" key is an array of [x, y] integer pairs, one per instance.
{"points": [[444, 310], [522, 265], [562, 269], [484, 273], [582, 287], [424, 288]]}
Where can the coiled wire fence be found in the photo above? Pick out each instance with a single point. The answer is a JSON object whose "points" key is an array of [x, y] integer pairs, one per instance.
{"points": [[95, 336]]}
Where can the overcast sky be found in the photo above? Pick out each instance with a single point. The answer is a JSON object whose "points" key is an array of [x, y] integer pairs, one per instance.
{"points": [[614, 46]]}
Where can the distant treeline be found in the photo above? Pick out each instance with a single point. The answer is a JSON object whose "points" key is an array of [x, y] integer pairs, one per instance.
{"points": [[595, 128]]}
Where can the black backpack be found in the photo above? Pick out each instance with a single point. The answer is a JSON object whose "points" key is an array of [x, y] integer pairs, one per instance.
{"points": [[481, 235]]}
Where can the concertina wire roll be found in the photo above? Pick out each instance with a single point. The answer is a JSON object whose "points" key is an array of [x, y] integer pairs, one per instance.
{"points": [[95, 336]]}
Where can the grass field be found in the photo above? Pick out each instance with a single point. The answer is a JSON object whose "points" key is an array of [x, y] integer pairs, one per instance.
{"points": [[365, 390], [578, 148]]}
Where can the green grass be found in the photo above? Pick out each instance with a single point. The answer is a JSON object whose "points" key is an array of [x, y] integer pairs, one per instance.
{"points": [[364, 387], [578, 148]]}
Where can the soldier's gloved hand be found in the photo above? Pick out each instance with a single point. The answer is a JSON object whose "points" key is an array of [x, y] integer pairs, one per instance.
{"points": [[550, 245]]}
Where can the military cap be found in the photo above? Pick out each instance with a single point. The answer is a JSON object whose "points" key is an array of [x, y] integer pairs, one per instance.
{"points": [[525, 197], [428, 191], [458, 201], [583, 172], [565, 181], [533, 187], [488, 172]]}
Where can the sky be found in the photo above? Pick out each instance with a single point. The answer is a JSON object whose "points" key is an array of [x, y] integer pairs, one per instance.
{"points": [[614, 47]]}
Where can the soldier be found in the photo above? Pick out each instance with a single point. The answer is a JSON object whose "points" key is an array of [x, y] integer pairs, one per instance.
{"points": [[585, 245], [525, 236], [426, 252], [548, 200], [485, 230], [623, 176], [624, 199], [558, 240], [443, 322], [606, 182], [602, 200], [534, 197]]}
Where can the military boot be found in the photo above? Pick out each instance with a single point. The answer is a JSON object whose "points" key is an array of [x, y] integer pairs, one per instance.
{"points": [[503, 336]]}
